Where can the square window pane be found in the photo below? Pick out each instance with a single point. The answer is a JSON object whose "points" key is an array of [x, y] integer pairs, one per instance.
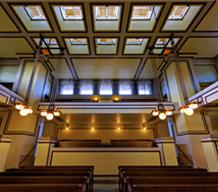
{"points": [[35, 12], [125, 88], [66, 88], [206, 73], [178, 12], [113, 12], [86, 88], [71, 12], [142, 12], [105, 88], [145, 88]]}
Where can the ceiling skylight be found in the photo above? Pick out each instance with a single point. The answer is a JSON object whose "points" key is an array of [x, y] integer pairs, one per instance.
{"points": [[71, 12], [50, 42], [78, 41], [178, 12], [106, 41], [35, 12], [134, 41], [142, 12], [161, 42], [107, 12]]}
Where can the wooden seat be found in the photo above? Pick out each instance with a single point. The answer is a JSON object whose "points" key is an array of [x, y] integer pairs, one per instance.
{"points": [[78, 178], [153, 178]]}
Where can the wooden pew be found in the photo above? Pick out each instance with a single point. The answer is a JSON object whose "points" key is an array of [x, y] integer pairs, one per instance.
{"points": [[79, 178], [142, 178], [174, 188], [42, 188], [50, 171]]}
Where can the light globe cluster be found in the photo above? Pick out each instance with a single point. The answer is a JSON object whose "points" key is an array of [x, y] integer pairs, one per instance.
{"points": [[50, 114], [188, 109], [162, 114], [23, 109]]}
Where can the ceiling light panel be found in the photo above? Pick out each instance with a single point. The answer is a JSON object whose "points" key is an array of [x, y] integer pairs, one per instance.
{"points": [[178, 12], [107, 17], [142, 12], [77, 45], [135, 45], [35, 12], [143, 17], [70, 17], [71, 12], [181, 16], [50, 43], [106, 45], [163, 43], [33, 17]]}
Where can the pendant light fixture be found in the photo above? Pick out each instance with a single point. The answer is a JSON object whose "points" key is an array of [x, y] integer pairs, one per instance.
{"points": [[51, 112], [161, 111]]}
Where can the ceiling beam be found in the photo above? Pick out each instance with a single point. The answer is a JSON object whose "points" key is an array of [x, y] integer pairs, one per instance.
{"points": [[70, 65]]}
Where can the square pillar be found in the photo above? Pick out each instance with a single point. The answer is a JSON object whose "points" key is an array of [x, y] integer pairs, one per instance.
{"points": [[210, 147], [43, 151], [5, 144], [167, 146]]}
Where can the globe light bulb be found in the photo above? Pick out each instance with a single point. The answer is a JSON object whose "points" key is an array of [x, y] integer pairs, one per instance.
{"points": [[30, 110], [24, 112], [169, 113], [162, 116], [182, 109], [116, 99], [93, 129], [193, 105], [49, 116], [19, 106], [57, 113], [189, 111], [155, 113], [43, 113]]}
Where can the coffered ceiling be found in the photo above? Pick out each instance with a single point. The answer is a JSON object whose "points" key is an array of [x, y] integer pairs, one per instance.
{"points": [[108, 39]]}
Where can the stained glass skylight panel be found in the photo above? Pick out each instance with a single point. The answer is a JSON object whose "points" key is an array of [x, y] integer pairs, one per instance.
{"points": [[161, 42], [134, 41], [142, 12], [78, 41], [105, 41], [107, 12], [178, 12], [35, 12], [71, 12]]}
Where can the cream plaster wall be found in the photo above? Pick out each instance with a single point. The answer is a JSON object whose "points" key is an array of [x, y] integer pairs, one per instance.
{"points": [[106, 162]]}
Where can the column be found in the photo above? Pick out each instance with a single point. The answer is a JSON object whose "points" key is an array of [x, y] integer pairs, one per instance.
{"points": [[4, 149], [209, 144], [44, 149], [167, 147]]}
